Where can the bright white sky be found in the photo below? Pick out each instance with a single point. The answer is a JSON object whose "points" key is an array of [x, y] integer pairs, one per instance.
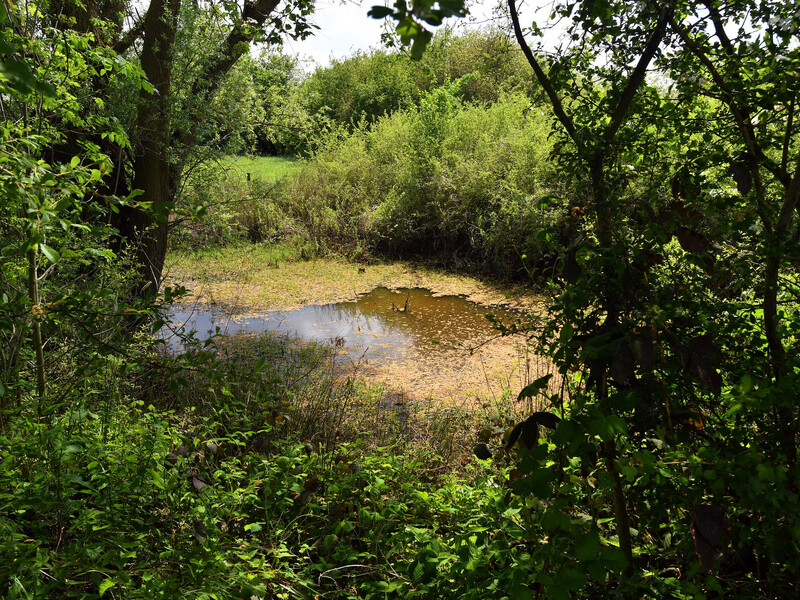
{"points": [[344, 28]]}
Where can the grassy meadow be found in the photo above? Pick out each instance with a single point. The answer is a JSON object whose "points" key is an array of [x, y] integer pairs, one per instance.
{"points": [[263, 168]]}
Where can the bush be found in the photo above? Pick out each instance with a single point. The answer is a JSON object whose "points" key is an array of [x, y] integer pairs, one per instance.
{"points": [[370, 85], [495, 60], [364, 87], [460, 181]]}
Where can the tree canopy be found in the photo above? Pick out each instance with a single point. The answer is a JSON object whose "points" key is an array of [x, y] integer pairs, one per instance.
{"points": [[177, 56]]}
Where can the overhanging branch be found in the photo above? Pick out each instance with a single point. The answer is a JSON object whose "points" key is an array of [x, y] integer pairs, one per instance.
{"points": [[541, 76], [637, 77]]}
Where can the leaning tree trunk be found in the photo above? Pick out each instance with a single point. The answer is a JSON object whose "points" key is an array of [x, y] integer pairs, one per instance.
{"points": [[154, 170]]}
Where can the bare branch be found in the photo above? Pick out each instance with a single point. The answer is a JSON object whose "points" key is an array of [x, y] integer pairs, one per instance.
{"points": [[541, 76]]}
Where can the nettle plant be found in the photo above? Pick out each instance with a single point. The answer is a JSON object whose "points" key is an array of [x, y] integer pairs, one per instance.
{"points": [[673, 467]]}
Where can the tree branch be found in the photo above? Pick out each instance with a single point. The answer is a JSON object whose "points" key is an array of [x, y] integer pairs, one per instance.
{"points": [[541, 76], [237, 43], [637, 77], [787, 140], [719, 28], [740, 113], [129, 37]]}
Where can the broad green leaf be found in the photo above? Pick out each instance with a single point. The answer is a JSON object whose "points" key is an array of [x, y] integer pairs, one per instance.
{"points": [[49, 253], [380, 12], [106, 585], [532, 389]]}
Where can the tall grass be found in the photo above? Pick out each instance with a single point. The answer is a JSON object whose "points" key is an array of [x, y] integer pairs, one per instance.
{"points": [[323, 397]]}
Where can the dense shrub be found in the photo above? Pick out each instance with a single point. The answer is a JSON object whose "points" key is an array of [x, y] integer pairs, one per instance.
{"points": [[223, 202], [365, 86], [496, 61], [462, 181], [369, 85]]}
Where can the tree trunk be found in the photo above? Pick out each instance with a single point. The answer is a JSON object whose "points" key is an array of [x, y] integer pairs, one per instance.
{"points": [[147, 229]]}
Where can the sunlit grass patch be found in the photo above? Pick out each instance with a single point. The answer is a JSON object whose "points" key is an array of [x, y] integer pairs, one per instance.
{"points": [[265, 168]]}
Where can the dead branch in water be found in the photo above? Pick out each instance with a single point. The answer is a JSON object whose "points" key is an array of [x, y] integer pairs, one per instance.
{"points": [[405, 306]]}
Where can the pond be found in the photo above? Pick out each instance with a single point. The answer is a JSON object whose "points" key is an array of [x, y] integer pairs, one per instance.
{"points": [[416, 341]]}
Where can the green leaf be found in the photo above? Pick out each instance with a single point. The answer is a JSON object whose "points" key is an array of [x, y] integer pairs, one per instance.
{"points": [[21, 78], [607, 426], [49, 253], [532, 389], [588, 546], [613, 558], [566, 432], [379, 12], [106, 585]]}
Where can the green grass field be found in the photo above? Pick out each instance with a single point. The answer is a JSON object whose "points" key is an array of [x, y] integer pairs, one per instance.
{"points": [[267, 168]]}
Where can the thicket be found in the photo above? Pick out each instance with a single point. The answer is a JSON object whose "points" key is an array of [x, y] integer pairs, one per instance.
{"points": [[447, 157], [472, 184], [267, 106], [445, 179], [370, 85]]}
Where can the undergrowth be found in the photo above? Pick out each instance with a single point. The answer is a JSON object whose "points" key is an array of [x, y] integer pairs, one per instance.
{"points": [[270, 475]]}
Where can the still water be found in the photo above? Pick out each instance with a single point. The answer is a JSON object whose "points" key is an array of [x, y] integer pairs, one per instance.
{"points": [[382, 326]]}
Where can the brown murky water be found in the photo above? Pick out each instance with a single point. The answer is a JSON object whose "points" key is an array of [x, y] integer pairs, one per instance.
{"points": [[417, 342]]}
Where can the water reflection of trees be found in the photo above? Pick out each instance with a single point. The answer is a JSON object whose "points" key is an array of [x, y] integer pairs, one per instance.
{"points": [[370, 322], [451, 320]]}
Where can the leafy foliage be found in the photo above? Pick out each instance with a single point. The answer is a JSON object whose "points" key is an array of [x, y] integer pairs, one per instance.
{"points": [[665, 466], [657, 321], [465, 181]]}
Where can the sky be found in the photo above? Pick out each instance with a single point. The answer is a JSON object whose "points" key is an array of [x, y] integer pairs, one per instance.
{"points": [[343, 29], [346, 28]]}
